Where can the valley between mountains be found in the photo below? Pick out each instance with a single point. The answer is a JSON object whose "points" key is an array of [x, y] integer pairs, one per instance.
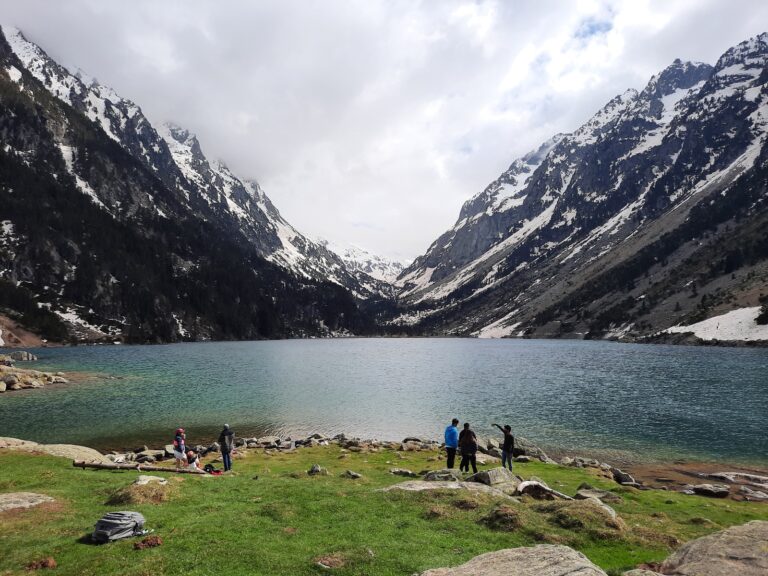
{"points": [[647, 223]]}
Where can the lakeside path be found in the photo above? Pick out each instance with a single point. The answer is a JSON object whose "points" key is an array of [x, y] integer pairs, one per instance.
{"points": [[270, 516]]}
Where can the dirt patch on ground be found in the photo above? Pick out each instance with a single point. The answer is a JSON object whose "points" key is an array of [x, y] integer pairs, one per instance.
{"points": [[331, 561], [45, 563], [504, 518], [148, 542]]}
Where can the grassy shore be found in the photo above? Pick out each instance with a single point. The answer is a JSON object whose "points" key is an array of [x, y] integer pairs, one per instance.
{"points": [[270, 517]]}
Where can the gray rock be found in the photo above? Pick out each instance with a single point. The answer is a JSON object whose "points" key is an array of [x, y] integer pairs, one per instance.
{"points": [[750, 494], [403, 472], [711, 490], [421, 485], [493, 476], [528, 448], [641, 572], [144, 479], [540, 491], [603, 495], [168, 450], [523, 459], [445, 474], [317, 470], [542, 560], [351, 475], [2, 386], [736, 551], [15, 500], [622, 477], [155, 454], [10, 379], [566, 461], [22, 356]]}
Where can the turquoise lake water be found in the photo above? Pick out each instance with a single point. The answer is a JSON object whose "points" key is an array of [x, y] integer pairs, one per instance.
{"points": [[656, 401]]}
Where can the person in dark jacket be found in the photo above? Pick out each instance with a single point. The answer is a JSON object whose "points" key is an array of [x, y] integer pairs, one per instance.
{"points": [[180, 448], [226, 445], [468, 447], [452, 441], [508, 448]]}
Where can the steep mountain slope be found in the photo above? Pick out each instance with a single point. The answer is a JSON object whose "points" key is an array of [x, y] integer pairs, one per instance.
{"points": [[174, 155], [606, 229], [102, 230]]}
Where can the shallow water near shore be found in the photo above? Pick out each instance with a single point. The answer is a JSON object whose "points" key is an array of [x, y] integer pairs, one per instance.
{"points": [[634, 401]]}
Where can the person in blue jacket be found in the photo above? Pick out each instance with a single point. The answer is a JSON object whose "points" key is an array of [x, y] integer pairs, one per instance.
{"points": [[452, 441]]}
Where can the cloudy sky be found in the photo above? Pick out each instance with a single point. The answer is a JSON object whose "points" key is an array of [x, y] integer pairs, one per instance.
{"points": [[371, 122]]}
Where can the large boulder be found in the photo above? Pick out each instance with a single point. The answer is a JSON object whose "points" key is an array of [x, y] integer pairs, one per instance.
{"points": [[445, 474], [710, 490], [70, 451], [403, 472], [525, 447], [2, 386], [493, 476], [22, 356], [15, 500], [739, 550], [542, 560], [603, 495]]}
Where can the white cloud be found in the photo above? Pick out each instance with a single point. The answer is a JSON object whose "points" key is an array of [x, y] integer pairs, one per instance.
{"points": [[371, 122]]}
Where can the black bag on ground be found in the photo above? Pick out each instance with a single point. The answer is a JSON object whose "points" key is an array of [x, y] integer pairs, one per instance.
{"points": [[116, 525]]}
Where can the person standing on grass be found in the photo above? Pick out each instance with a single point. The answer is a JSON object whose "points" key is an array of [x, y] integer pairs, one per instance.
{"points": [[452, 441], [468, 447], [226, 445], [180, 448], [508, 448]]}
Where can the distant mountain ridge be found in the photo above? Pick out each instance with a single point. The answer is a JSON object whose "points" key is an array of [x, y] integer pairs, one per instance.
{"points": [[157, 186], [602, 232]]}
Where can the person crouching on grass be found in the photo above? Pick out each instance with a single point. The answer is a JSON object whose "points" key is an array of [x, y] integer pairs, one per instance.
{"points": [[180, 448], [193, 460]]}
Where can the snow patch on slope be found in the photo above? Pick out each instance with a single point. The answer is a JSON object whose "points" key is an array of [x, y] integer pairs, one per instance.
{"points": [[737, 325], [68, 153]]}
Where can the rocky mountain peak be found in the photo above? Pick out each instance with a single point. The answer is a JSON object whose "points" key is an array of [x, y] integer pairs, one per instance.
{"points": [[750, 52], [676, 77]]}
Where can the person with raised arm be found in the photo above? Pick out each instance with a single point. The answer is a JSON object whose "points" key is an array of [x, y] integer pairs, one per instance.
{"points": [[508, 447]]}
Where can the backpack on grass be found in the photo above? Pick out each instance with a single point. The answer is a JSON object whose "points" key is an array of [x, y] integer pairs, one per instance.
{"points": [[117, 525]]}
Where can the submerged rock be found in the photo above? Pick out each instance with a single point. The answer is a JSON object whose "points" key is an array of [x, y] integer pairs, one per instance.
{"points": [[542, 560]]}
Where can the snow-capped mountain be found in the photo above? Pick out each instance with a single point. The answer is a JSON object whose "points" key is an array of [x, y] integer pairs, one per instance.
{"points": [[549, 240], [176, 245], [176, 157], [360, 260]]}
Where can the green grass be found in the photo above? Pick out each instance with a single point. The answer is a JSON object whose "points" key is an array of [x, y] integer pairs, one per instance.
{"points": [[282, 521]]}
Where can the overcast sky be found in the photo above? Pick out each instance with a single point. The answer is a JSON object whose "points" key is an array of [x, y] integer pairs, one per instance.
{"points": [[371, 122]]}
